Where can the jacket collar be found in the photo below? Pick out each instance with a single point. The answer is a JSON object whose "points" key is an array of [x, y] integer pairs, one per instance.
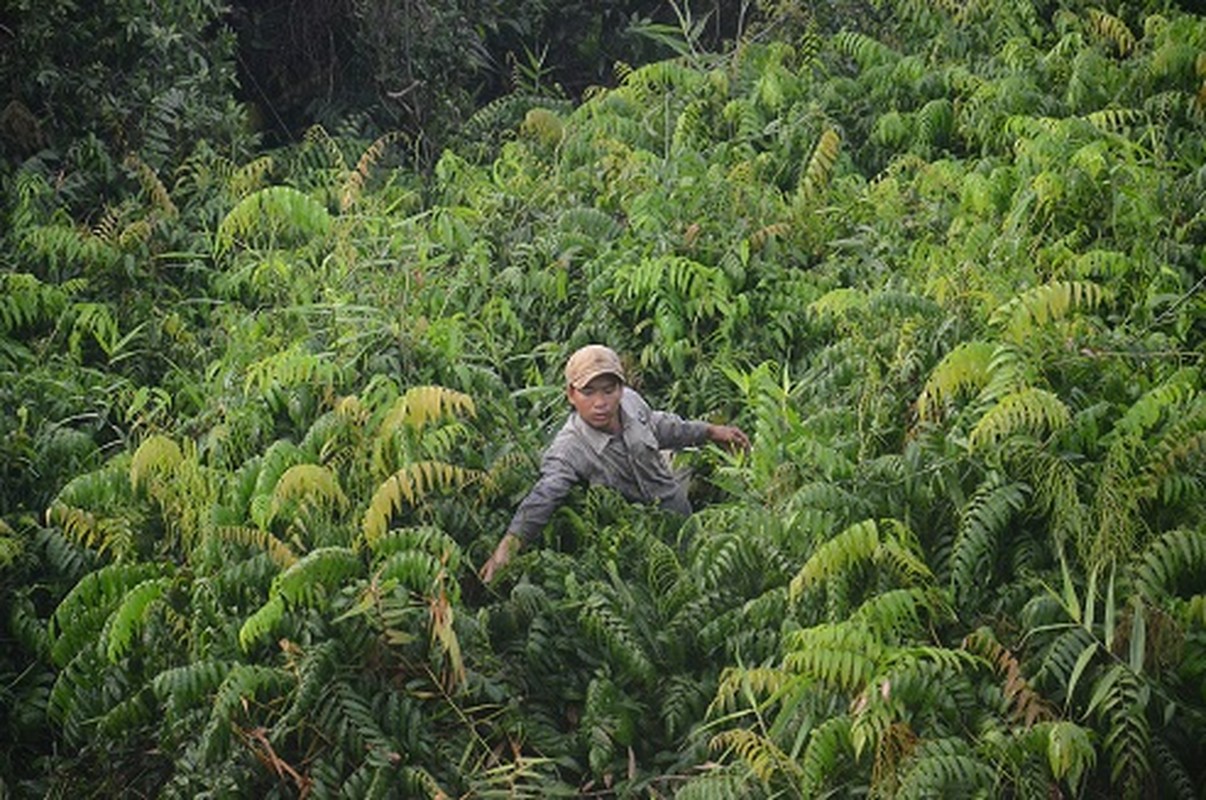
{"points": [[595, 438]]}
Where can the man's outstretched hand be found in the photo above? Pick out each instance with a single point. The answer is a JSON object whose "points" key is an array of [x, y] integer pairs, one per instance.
{"points": [[729, 436], [507, 547]]}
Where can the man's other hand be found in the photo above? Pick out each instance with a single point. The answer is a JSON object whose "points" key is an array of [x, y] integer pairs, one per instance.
{"points": [[507, 547], [729, 436]]}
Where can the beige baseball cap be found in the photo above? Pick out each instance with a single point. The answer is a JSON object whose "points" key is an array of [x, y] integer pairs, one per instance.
{"points": [[588, 363]]}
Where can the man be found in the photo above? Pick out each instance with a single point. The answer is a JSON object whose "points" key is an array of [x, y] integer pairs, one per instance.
{"points": [[612, 438]]}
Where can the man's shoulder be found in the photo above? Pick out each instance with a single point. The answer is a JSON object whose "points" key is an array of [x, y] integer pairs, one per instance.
{"points": [[565, 432], [568, 441], [632, 400]]}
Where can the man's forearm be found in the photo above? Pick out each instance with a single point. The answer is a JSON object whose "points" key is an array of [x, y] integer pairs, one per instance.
{"points": [[542, 500]]}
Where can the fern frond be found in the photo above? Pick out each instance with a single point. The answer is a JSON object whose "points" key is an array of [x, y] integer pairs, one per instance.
{"points": [[95, 321], [302, 584], [1172, 563], [816, 174], [1030, 411], [900, 553], [180, 688], [858, 543], [1065, 659], [1054, 483], [259, 539], [935, 122], [317, 137], [60, 244], [523, 778], [262, 622], [64, 556], [763, 757], [315, 572], [691, 130], [430, 540], [865, 50], [663, 571], [273, 216], [983, 520], [1120, 699], [1023, 703], [891, 130], [614, 631], [307, 482], [316, 671], [153, 186], [129, 616], [1173, 471], [1020, 316], [683, 700], [250, 177], [28, 629], [837, 302], [126, 715], [1174, 773], [681, 289], [756, 684], [75, 700], [1116, 120], [416, 570], [1168, 399], [241, 685], [353, 186], [502, 114], [747, 124], [268, 469], [828, 746], [80, 615], [655, 77], [294, 366], [325, 435], [410, 485], [103, 534], [1070, 751], [1113, 30], [157, 455], [719, 783], [945, 768], [589, 222], [768, 233], [26, 301], [106, 228], [373, 740], [422, 405], [843, 655], [967, 366], [897, 612]]}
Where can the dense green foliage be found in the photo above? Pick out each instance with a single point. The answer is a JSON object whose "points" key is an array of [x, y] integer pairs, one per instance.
{"points": [[263, 416]]}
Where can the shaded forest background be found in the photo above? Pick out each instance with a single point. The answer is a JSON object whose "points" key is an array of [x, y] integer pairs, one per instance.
{"points": [[285, 291], [135, 76]]}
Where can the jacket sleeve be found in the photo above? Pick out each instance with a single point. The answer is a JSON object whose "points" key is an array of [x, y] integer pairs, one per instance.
{"points": [[557, 477], [674, 433]]}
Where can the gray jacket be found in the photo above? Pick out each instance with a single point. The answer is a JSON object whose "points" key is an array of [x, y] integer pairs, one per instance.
{"points": [[630, 462]]}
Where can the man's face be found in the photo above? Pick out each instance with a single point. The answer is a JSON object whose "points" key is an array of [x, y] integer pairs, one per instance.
{"points": [[598, 402]]}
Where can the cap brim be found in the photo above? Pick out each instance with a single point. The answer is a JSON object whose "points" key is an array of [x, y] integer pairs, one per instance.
{"points": [[590, 376]]}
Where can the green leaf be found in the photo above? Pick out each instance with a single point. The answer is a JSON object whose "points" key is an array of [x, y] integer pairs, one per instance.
{"points": [[1138, 635], [1111, 613], [1070, 751], [1082, 661], [129, 616], [1090, 610]]}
